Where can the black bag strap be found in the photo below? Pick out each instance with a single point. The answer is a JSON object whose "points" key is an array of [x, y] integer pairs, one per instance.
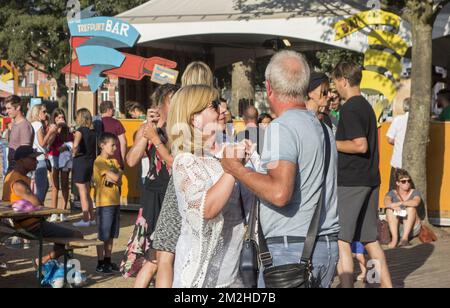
{"points": [[311, 238], [315, 224], [258, 142], [241, 201], [250, 223]]}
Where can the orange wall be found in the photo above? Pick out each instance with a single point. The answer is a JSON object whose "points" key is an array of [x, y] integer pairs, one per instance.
{"points": [[438, 168], [385, 161], [439, 171]]}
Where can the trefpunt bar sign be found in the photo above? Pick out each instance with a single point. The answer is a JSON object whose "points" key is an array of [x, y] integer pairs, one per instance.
{"points": [[96, 40]]}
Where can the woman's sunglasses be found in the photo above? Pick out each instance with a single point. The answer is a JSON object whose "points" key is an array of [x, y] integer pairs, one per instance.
{"points": [[406, 181], [325, 92]]}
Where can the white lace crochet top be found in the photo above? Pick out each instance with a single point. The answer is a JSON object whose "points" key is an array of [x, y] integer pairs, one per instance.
{"points": [[208, 251]]}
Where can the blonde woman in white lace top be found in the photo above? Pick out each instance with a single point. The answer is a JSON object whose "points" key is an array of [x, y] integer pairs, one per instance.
{"points": [[208, 250]]}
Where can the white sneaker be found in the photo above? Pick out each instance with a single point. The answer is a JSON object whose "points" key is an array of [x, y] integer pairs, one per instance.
{"points": [[62, 218], [82, 224], [53, 218], [93, 223]]}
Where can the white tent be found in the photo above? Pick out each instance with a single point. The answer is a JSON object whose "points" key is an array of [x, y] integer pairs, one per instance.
{"points": [[245, 23], [242, 25]]}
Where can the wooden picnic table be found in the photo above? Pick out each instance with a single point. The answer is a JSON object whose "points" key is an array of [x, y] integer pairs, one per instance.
{"points": [[7, 212]]}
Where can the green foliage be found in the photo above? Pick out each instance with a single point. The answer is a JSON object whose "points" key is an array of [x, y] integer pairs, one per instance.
{"points": [[35, 32], [328, 59]]}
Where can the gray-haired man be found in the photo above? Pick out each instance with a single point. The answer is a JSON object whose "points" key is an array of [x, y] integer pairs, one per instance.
{"points": [[291, 178]]}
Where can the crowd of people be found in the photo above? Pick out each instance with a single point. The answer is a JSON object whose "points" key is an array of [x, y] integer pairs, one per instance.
{"points": [[199, 179]]}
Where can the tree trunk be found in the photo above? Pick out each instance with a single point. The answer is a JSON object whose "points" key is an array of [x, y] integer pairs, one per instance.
{"points": [[242, 84], [62, 93], [417, 136]]}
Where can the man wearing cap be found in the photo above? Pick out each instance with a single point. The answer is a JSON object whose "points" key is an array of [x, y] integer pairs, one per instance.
{"points": [[17, 187]]}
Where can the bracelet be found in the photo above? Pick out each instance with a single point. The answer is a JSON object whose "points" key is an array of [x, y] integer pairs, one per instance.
{"points": [[158, 145]]}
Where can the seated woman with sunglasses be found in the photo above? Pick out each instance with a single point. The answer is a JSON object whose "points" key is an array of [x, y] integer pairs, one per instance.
{"points": [[212, 229], [401, 210]]}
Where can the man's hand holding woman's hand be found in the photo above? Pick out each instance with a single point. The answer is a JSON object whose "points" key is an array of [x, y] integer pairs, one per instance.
{"points": [[236, 156]]}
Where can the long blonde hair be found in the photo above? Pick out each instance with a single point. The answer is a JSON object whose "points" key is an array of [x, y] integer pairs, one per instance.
{"points": [[34, 113], [187, 102], [197, 73], [84, 118]]}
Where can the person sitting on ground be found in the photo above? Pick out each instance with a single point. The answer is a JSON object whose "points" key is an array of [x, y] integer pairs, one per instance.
{"points": [[17, 187], [136, 111], [443, 100], [107, 182], [401, 204]]}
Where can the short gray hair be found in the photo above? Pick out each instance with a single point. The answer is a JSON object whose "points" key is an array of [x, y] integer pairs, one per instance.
{"points": [[406, 104], [288, 74]]}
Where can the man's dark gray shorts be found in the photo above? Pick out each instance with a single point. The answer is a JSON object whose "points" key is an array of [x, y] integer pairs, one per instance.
{"points": [[358, 213]]}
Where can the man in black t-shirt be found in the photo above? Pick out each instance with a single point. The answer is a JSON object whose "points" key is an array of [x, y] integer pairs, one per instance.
{"points": [[358, 175]]}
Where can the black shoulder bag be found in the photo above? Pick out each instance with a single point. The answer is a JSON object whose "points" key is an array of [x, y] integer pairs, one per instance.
{"points": [[297, 275], [249, 264]]}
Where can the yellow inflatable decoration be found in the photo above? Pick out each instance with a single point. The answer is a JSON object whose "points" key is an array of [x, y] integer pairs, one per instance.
{"points": [[382, 61], [364, 19], [374, 82], [9, 74], [388, 39]]}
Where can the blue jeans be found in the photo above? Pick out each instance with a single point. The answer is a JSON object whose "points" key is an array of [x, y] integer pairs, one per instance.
{"points": [[41, 179], [324, 261]]}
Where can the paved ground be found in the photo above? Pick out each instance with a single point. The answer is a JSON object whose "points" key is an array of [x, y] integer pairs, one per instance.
{"points": [[422, 265]]}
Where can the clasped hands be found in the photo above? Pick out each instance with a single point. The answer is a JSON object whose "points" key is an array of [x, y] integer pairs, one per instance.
{"points": [[235, 156]]}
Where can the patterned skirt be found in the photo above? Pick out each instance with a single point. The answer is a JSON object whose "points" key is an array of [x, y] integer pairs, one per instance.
{"points": [[168, 226]]}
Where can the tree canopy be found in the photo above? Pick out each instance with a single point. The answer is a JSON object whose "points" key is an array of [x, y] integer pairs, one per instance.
{"points": [[35, 32]]}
